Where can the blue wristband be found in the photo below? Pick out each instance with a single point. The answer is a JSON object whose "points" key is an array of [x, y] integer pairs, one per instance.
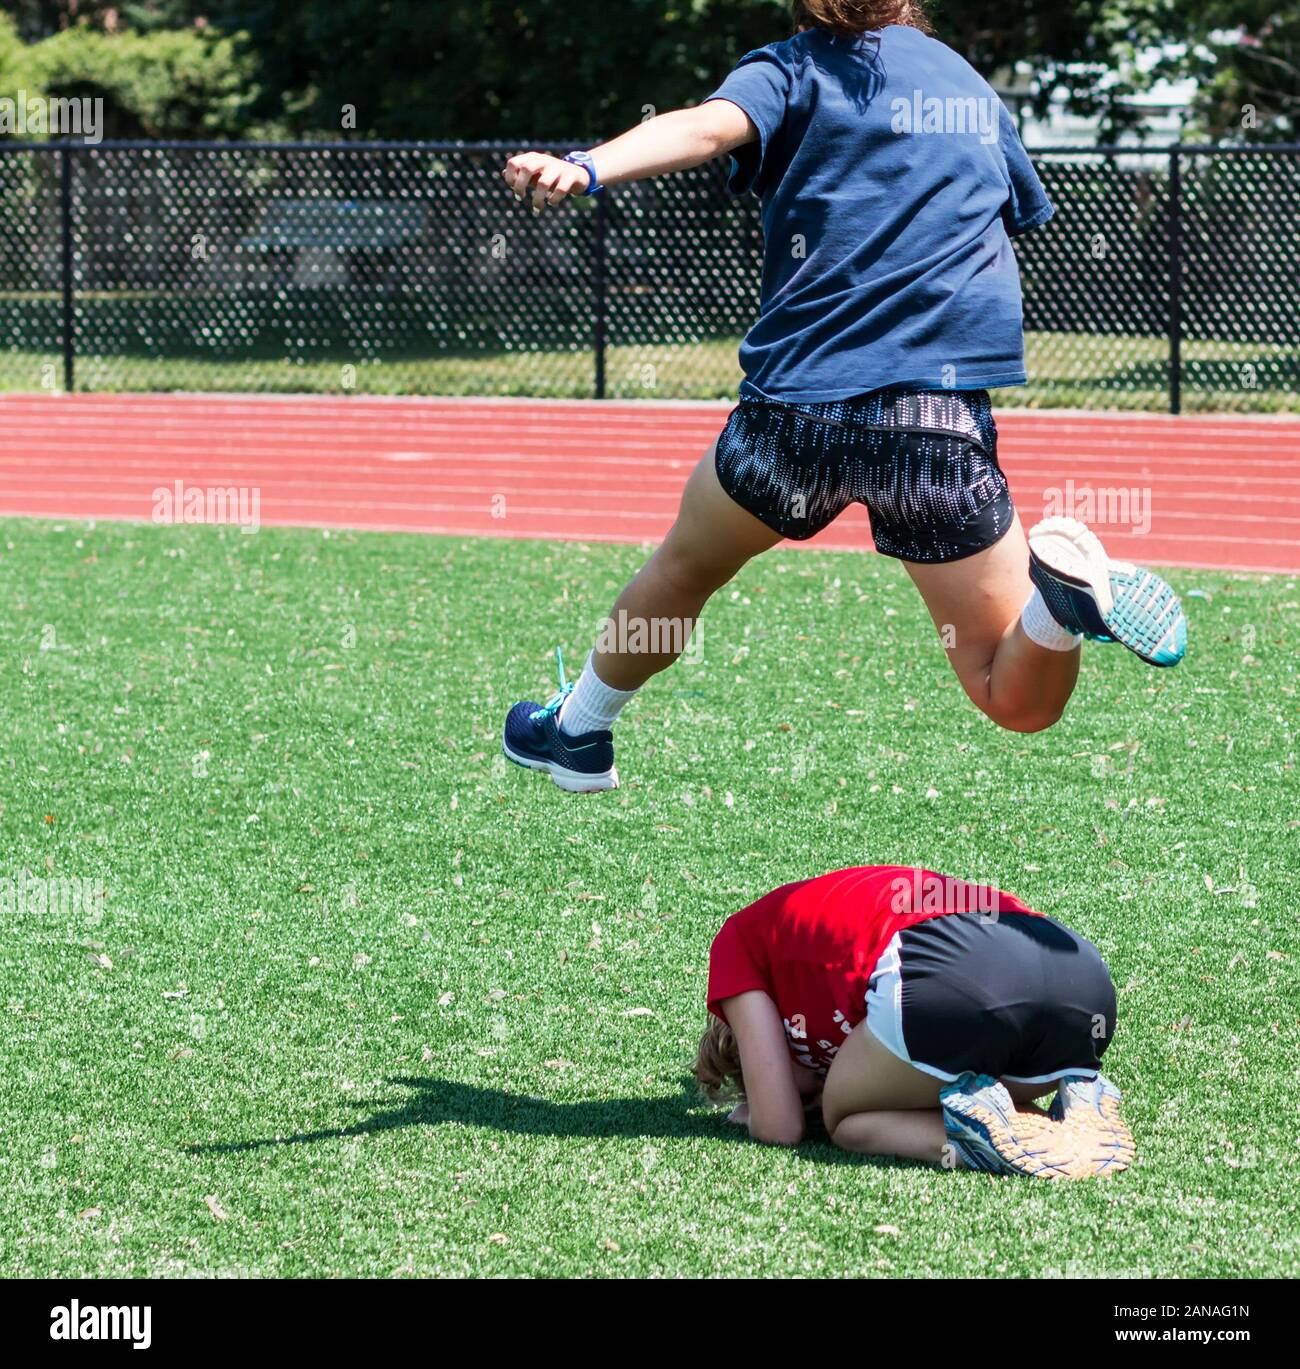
{"points": [[583, 159]]}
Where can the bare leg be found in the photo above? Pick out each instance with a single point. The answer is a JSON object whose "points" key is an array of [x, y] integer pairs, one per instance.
{"points": [[976, 604], [915, 1135], [710, 541], [1025, 1096], [876, 1104]]}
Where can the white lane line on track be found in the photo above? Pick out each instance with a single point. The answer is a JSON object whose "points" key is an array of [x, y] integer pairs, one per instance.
{"points": [[567, 536], [1233, 508]]}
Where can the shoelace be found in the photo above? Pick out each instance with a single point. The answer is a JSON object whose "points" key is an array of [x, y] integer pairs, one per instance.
{"points": [[553, 705]]}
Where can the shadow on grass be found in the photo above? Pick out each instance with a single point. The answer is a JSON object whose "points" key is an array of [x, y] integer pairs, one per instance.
{"points": [[436, 1102]]}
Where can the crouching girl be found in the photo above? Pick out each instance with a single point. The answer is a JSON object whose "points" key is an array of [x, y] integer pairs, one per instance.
{"points": [[922, 1015]]}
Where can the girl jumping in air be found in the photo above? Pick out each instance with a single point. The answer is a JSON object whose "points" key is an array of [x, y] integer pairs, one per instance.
{"points": [[891, 182], [920, 1014]]}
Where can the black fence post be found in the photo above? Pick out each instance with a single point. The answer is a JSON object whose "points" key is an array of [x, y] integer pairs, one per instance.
{"points": [[598, 293], [1175, 282], [65, 195]]}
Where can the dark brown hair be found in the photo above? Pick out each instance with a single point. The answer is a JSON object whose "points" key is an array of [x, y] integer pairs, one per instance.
{"points": [[849, 18]]}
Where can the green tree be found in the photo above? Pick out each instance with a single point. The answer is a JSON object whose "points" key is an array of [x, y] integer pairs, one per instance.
{"points": [[542, 70], [37, 19], [1245, 58], [557, 69], [168, 84]]}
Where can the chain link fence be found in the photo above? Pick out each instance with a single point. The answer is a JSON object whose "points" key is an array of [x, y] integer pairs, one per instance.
{"points": [[1168, 279]]}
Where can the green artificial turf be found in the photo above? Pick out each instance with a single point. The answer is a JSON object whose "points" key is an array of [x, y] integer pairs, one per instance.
{"points": [[360, 998]]}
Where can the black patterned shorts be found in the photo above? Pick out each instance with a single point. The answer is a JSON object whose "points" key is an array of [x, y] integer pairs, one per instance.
{"points": [[924, 462]]}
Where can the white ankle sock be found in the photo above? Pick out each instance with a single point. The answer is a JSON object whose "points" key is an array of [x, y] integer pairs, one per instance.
{"points": [[592, 705], [1042, 629]]}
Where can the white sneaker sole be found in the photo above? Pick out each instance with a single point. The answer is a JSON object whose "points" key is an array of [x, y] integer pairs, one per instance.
{"points": [[1074, 551], [571, 781]]}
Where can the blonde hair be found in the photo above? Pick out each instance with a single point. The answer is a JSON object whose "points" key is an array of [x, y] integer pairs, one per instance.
{"points": [[849, 18], [717, 1064]]}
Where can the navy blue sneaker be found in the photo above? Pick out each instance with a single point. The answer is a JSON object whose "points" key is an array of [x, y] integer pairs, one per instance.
{"points": [[533, 739], [1105, 600]]}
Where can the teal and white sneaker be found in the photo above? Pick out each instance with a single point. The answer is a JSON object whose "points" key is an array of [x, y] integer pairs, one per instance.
{"points": [[1105, 600], [533, 738], [1088, 1109], [987, 1132]]}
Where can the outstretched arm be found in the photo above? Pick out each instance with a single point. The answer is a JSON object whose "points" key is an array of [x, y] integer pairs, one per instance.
{"points": [[669, 142]]}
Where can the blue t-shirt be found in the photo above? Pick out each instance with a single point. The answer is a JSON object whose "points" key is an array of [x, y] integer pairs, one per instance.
{"points": [[890, 177]]}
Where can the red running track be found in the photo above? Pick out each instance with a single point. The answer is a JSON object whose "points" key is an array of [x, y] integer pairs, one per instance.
{"points": [[1216, 490]]}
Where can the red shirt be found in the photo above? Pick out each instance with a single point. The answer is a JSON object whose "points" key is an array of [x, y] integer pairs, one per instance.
{"points": [[812, 945]]}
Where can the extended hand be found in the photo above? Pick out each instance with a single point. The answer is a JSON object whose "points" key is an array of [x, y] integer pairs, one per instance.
{"points": [[549, 179]]}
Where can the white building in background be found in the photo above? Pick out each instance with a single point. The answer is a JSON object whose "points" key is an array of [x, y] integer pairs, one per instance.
{"points": [[1163, 111]]}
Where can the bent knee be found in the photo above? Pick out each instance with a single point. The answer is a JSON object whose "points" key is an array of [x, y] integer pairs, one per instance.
{"points": [[868, 1138], [1026, 719]]}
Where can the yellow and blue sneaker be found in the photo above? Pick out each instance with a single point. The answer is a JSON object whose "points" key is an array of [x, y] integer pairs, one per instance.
{"points": [[987, 1133], [1088, 1109], [1105, 600], [534, 739]]}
